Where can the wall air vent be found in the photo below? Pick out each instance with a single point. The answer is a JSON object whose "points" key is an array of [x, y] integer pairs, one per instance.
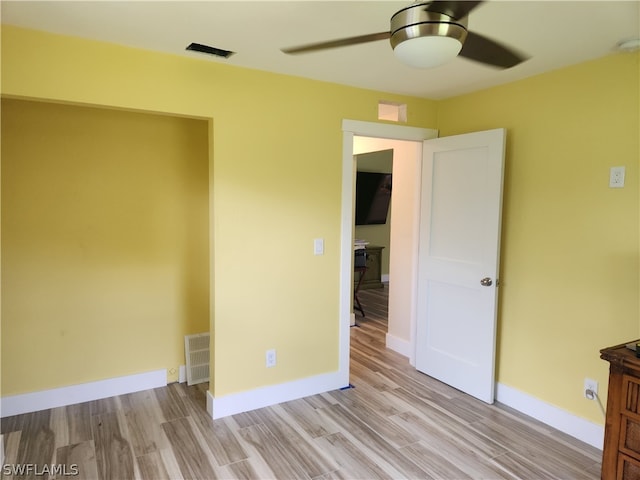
{"points": [[196, 349], [392, 111], [218, 52]]}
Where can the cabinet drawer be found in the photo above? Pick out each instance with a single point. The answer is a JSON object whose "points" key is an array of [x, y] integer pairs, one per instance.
{"points": [[628, 468], [630, 395], [630, 436]]}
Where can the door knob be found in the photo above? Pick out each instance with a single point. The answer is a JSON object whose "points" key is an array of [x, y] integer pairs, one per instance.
{"points": [[486, 282]]}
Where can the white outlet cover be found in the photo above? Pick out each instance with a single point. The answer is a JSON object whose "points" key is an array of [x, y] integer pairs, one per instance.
{"points": [[590, 384], [271, 359], [616, 177]]}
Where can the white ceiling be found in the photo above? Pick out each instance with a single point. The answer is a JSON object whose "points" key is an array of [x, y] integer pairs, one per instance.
{"points": [[554, 33]]}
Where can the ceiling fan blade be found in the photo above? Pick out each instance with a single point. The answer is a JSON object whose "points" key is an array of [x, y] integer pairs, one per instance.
{"points": [[343, 42], [482, 49], [455, 10]]}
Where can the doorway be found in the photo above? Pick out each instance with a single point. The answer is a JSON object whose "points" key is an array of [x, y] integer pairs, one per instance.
{"points": [[456, 242], [373, 224], [359, 137]]}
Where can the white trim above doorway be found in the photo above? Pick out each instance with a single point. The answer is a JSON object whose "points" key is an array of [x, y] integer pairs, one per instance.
{"points": [[385, 130]]}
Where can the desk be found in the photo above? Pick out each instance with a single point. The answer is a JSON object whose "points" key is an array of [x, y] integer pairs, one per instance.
{"points": [[373, 279]]}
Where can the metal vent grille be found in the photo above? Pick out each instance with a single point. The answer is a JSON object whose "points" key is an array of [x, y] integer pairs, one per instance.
{"points": [[196, 348], [218, 52]]}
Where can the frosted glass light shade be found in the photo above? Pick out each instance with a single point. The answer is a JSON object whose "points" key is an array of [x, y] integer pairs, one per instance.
{"points": [[427, 52]]}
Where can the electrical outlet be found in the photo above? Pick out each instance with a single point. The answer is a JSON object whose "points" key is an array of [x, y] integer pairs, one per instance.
{"points": [[590, 389], [271, 358], [616, 177]]}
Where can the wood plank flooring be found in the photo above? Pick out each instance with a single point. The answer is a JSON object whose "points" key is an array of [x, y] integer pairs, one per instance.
{"points": [[394, 423]]}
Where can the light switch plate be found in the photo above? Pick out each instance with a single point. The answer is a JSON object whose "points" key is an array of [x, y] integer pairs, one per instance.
{"points": [[318, 246]]}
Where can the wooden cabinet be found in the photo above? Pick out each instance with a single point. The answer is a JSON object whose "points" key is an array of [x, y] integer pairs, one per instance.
{"points": [[373, 276], [621, 453]]}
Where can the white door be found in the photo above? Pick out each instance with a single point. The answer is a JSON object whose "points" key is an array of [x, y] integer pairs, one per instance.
{"points": [[458, 260]]}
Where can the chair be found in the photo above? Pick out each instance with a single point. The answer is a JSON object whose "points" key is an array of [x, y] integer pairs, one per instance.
{"points": [[360, 268]]}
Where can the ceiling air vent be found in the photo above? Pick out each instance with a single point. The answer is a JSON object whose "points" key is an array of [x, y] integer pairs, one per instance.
{"points": [[218, 52], [196, 349]]}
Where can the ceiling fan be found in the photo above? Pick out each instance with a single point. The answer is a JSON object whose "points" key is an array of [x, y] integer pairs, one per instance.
{"points": [[430, 33]]}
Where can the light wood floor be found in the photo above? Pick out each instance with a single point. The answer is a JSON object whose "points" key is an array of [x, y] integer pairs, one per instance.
{"points": [[394, 423]]}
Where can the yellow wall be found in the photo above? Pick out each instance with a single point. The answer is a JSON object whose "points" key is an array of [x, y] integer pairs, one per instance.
{"points": [[570, 269], [276, 153], [104, 242], [570, 244]]}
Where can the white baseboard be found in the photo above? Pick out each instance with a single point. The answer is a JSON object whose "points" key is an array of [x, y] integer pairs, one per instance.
{"points": [[400, 345], [566, 422], [266, 396], [182, 374], [85, 392], [384, 278]]}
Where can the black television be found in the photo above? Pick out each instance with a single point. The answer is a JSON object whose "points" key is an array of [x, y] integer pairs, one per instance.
{"points": [[373, 195]]}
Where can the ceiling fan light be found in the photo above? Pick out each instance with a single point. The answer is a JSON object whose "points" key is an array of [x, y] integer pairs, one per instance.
{"points": [[427, 52]]}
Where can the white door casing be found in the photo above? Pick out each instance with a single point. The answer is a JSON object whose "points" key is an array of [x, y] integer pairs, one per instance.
{"points": [[461, 209], [351, 128]]}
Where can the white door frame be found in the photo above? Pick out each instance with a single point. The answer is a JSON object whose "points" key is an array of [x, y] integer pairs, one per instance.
{"points": [[351, 128]]}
